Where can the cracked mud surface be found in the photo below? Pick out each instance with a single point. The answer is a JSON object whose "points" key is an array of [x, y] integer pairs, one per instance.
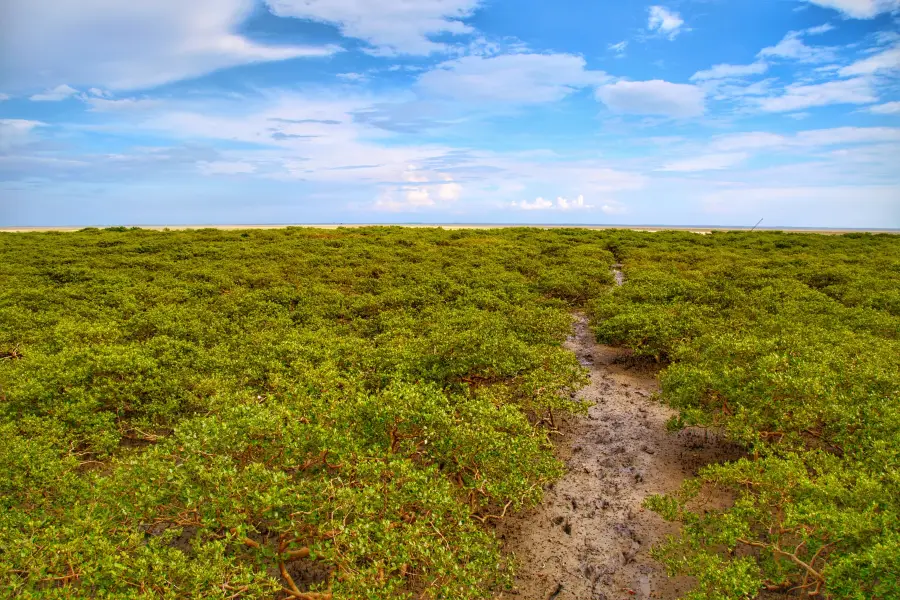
{"points": [[590, 538]]}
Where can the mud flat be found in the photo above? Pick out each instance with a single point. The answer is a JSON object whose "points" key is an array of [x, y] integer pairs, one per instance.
{"points": [[590, 538]]}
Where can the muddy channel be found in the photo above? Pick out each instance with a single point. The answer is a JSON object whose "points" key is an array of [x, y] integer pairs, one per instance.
{"points": [[590, 538]]}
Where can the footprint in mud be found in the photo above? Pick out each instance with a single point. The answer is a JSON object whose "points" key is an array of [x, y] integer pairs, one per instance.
{"points": [[618, 454]]}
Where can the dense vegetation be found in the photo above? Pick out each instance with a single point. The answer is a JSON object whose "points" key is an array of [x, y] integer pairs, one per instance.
{"points": [[791, 345], [312, 413], [229, 414]]}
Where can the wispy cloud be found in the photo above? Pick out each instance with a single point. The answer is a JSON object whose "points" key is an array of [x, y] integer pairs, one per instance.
{"points": [[792, 47], [60, 92], [726, 71], [859, 9], [708, 162], [860, 90], [154, 42], [888, 60], [619, 48], [389, 26], [664, 22], [511, 78], [888, 108]]}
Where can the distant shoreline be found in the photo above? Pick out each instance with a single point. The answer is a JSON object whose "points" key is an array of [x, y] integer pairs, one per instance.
{"points": [[695, 229]]}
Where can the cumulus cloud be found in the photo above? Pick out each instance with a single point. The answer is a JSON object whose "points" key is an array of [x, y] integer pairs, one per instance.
{"points": [[390, 26], [708, 162], [119, 45], [421, 190], [510, 78], [560, 204], [859, 9], [726, 71], [60, 92], [664, 21], [859, 90], [538, 204], [888, 60], [654, 97]]}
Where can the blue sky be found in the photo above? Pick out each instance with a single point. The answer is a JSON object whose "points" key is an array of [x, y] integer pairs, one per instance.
{"points": [[685, 112]]}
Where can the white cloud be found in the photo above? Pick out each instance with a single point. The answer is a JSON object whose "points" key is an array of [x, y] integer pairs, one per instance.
{"points": [[112, 44], [730, 89], [16, 132], [613, 208], [561, 203], [664, 21], [325, 147], [888, 108], [60, 92], [538, 204], [759, 140], [753, 140], [576, 204], [98, 92], [859, 90], [819, 29], [619, 48], [654, 97], [390, 26], [449, 192], [4, 97], [225, 168], [123, 104], [889, 60], [859, 9], [353, 77], [725, 71], [422, 190], [708, 162], [510, 78], [792, 47], [848, 135]]}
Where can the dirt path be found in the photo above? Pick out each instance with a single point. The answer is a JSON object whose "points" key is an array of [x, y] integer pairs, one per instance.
{"points": [[589, 539]]}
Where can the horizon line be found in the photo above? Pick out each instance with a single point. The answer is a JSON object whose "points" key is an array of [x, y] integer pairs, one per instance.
{"points": [[450, 225]]}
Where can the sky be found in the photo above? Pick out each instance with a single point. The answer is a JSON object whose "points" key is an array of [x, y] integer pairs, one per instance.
{"points": [[684, 112]]}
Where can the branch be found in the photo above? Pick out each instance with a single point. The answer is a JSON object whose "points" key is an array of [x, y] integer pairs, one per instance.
{"points": [[498, 517], [793, 557]]}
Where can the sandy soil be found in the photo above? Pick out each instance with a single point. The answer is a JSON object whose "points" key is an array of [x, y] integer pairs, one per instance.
{"points": [[590, 537]]}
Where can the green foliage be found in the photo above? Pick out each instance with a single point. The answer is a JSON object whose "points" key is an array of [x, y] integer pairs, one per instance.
{"points": [[183, 410], [790, 345], [215, 414]]}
